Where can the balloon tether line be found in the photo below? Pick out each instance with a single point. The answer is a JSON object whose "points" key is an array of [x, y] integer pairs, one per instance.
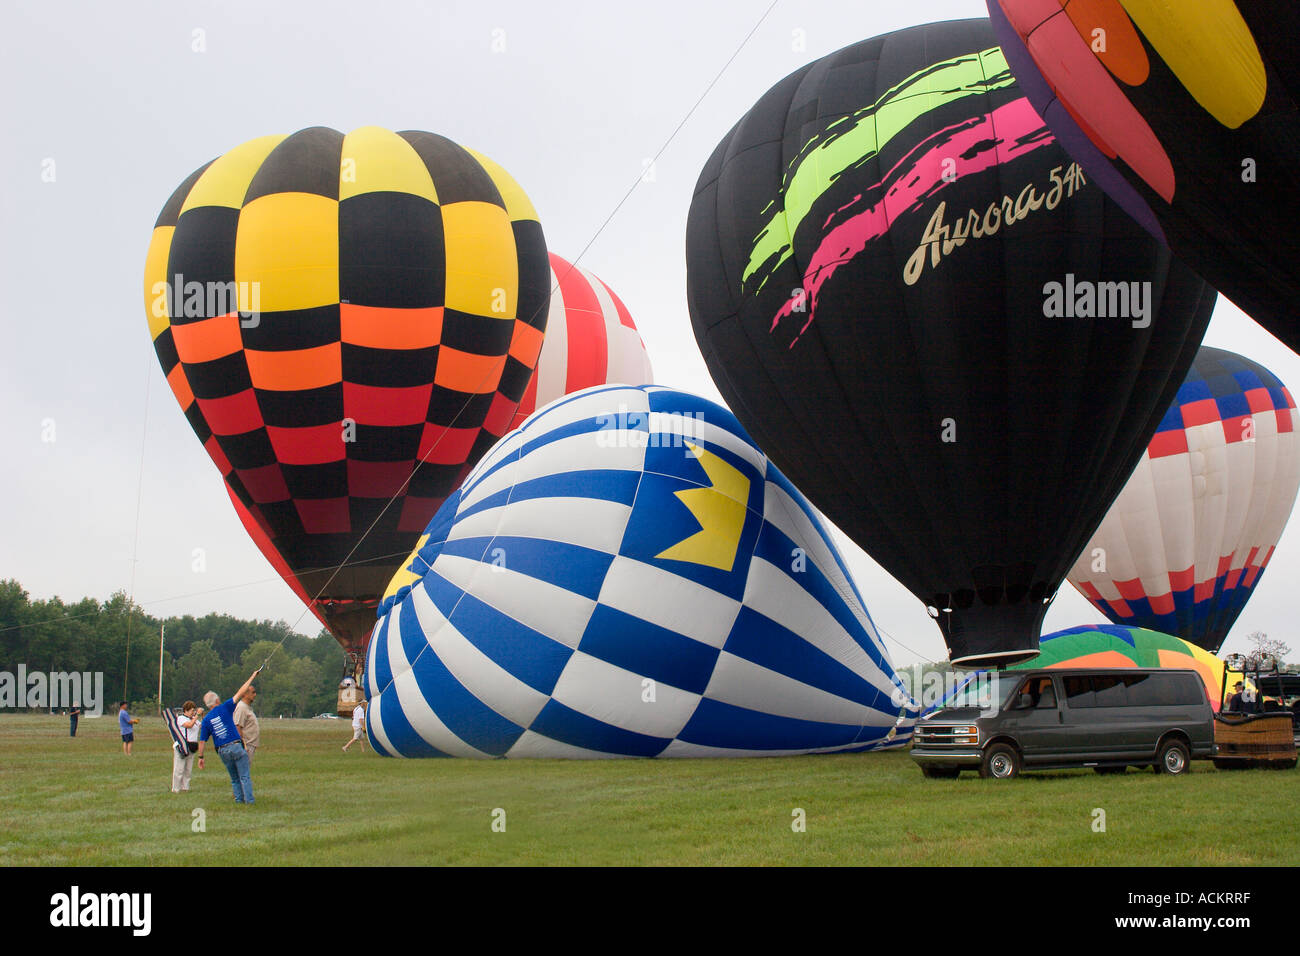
{"points": [[135, 540], [400, 491]]}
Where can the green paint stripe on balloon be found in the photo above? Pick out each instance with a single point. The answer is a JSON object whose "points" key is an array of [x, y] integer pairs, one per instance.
{"points": [[1061, 649], [1153, 642], [853, 139], [1143, 652], [1076, 645]]}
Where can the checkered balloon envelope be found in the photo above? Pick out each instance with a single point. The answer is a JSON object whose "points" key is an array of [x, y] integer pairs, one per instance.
{"points": [[628, 575], [331, 309]]}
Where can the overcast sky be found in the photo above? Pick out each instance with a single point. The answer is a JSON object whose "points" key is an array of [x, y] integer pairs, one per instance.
{"points": [[121, 101]]}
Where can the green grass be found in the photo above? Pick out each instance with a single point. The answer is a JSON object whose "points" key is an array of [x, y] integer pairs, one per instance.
{"points": [[82, 802]]}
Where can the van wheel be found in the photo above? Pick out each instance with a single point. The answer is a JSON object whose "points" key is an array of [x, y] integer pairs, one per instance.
{"points": [[940, 773], [1172, 758], [1000, 762]]}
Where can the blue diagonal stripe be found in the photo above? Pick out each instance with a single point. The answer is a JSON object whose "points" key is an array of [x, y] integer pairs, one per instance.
{"points": [[603, 484], [379, 676], [577, 729], [569, 566], [460, 711], [647, 649], [715, 724], [399, 731], [766, 643], [529, 655], [775, 547]]}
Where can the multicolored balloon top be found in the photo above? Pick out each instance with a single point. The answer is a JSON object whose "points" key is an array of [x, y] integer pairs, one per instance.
{"points": [[1185, 113], [628, 575], [348, 321]]}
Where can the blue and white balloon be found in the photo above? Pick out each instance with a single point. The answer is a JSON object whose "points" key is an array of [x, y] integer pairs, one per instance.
{"points": [[627, 575]]}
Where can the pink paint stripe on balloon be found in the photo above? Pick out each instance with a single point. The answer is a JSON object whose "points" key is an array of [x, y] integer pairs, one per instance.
{"points": [[1012, 125]]}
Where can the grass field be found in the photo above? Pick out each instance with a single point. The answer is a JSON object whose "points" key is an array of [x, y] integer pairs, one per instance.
{"points": [[82, 802]]}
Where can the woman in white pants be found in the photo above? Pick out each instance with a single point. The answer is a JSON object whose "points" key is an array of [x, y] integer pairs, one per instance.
{"points": [[183, 765]]}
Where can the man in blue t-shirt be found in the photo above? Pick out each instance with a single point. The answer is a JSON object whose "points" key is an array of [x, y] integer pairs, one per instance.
{"points": [[219, 724], [126, 725]]}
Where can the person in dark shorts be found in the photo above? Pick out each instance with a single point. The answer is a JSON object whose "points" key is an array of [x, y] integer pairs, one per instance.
{"points": [[73, 715], [126, 724]]}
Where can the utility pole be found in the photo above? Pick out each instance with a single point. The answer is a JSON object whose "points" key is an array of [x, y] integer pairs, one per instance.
{"points": [[162, 639]]}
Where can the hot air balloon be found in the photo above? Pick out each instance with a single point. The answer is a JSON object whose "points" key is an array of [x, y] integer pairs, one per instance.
{"points": [[627, 575], [1184, 545], [934, 324], [348, 322], [1185, 113], [590, 340], [1109, 645]]}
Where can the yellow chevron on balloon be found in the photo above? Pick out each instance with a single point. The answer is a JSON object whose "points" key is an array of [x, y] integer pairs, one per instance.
{"points": [[1210, 49], [720, 510], [405, 575]]}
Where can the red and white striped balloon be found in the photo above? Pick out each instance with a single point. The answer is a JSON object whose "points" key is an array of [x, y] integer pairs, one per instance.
{"points": [[590, 340]]}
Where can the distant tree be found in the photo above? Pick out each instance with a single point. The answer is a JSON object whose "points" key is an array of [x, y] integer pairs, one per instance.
{"points": [[181, 634], [13, 609], [214, 652], [1265, 646], [306, 682], [326, 652], [272, 683], [198, 672]]}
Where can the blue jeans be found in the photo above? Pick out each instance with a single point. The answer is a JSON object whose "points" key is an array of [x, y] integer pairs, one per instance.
{"points": [[235, 757]]}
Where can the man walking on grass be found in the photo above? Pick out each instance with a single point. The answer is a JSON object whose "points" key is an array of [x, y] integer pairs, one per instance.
{"points": [[358, 727]]}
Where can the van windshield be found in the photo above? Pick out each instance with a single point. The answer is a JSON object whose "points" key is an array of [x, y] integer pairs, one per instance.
{"points": [[983, 690]]}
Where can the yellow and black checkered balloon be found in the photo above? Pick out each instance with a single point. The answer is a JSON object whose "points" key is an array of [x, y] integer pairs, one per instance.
{"points": [[346, 319]]}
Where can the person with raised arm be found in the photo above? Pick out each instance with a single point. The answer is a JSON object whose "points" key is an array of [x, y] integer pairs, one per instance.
{"points": [[219, 724]]}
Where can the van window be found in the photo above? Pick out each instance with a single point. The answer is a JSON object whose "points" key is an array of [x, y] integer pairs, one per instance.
{"points": [[1171, 689], [1133, 690], [1041, 692], [1111, 690], [1078, 692]]}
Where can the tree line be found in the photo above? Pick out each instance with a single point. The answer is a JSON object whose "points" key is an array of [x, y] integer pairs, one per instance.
{"points": [[214, 652]]}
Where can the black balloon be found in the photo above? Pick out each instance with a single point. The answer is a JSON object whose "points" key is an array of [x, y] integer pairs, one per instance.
{"points": [[934, 323]]}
